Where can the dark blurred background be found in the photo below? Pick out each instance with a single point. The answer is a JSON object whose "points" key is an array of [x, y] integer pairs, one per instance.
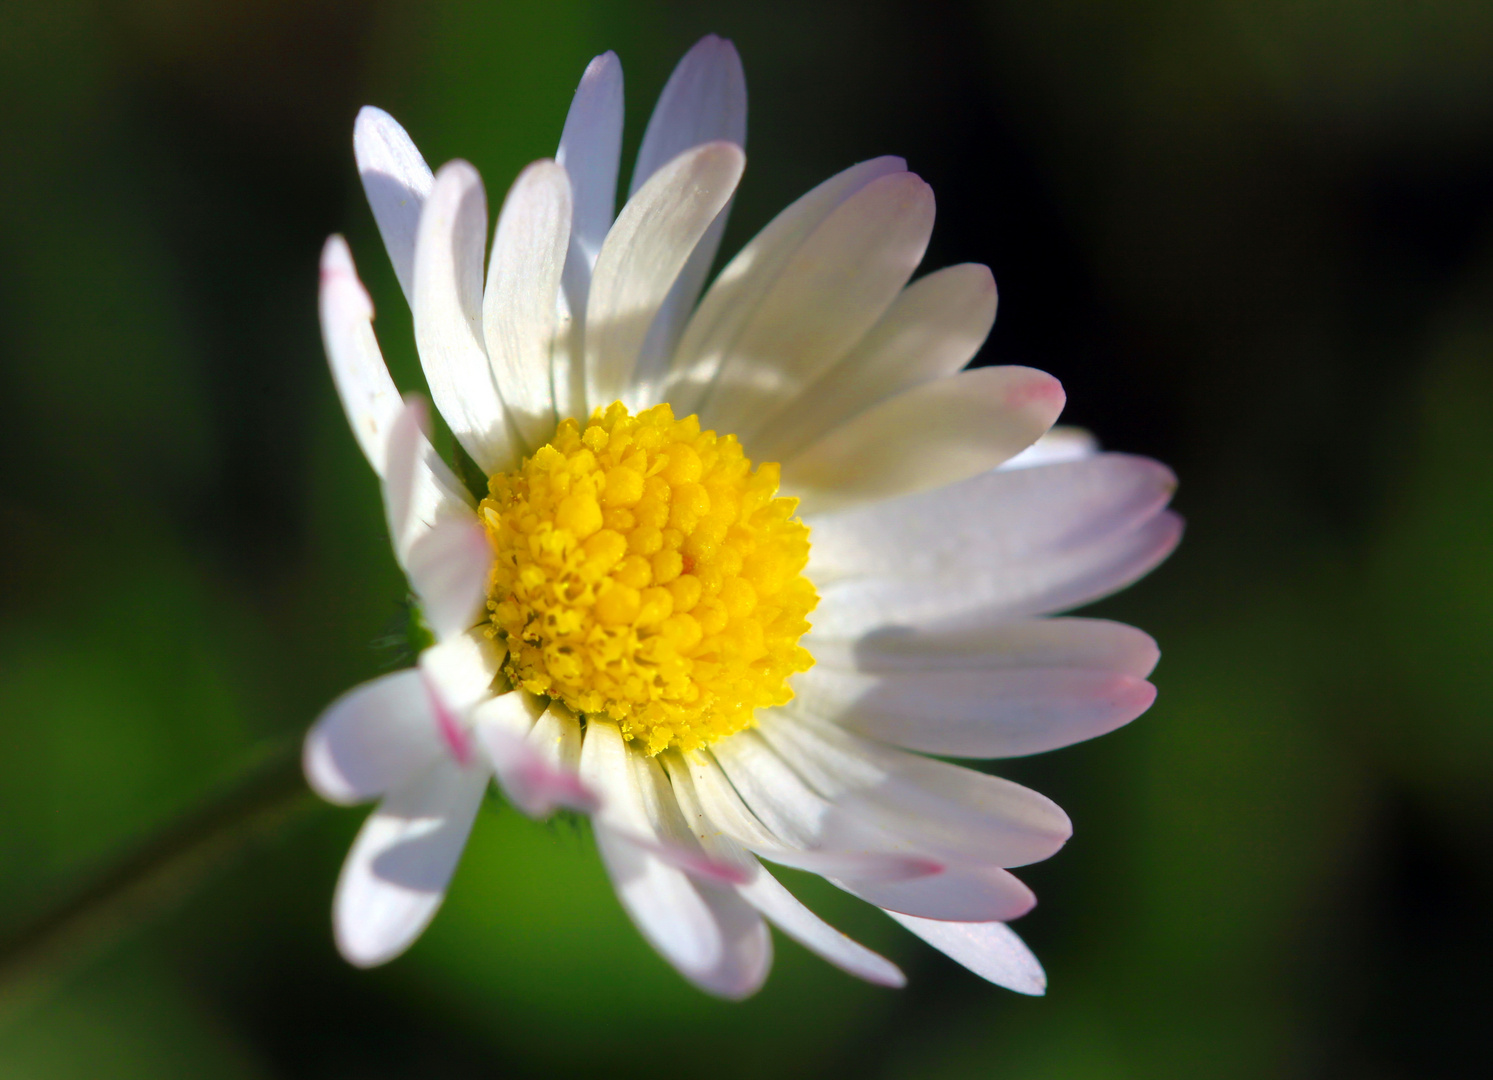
{"points": [[1254, 238]]}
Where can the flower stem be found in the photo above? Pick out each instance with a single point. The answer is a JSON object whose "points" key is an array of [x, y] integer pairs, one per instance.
{"points": [[267, 794]]}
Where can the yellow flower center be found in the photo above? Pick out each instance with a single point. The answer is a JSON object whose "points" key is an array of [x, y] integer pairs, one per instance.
{"points": [[646, 572]]}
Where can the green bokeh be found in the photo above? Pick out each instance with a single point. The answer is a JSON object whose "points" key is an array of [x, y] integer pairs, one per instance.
{"points": [[1254, 239]]}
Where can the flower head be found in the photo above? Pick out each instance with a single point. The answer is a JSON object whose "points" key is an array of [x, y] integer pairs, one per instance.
{"points": [[738, 565]]}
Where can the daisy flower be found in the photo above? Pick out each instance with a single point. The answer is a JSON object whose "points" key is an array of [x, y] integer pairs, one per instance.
{"points": [[739, 565]]}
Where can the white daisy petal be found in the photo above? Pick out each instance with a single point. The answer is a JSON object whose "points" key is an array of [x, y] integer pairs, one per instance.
{"points": [[1003, 544], [538, 776], [396, 874], [420, 491], [962, 893], [944, 809], [462, 668], [523, 286], [368, 394], [984, 714], [643, 255], [933, 328], [1090, 644], [448, 568], [704, 100], [372, 739], [663, 903], [590, 152], [829, 292], [448, 316], [738, 290], [397, 182], [727, 813], [935, 434], [991, 950], [765, 893], [1057, 446]]}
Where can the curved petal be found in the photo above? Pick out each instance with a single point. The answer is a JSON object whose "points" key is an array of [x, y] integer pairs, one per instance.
{"points": [[1091, 644], [590, 152], [984, 714], [448, 316], [935, 434], [765, 893], [369, 397], [519, 308], [944, 809], [1057, 446], [960, 894], [991, 950], [733, 298], [705, 935], [448, 568], [642, 257], [933, 328], [371, 740], [1002, 544], [829, 292], [397, 182], [420, 491], [704, 100], [396, 874], [532, 771]]}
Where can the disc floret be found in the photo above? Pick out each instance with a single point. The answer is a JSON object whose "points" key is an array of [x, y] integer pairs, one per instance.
{"points": [[646, 571]]}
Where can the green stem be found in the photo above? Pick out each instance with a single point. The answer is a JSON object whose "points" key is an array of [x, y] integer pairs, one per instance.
{"points": [[159, 873]]}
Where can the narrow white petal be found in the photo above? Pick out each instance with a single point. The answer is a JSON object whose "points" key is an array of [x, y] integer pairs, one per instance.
{"points": [[448, 316], [934, 434], [1057, 446], [537, 773], [643, 255], [397, 182], [985, 714], [829, 292], [519, 308], [396, 874], [372, 739], [420, 492], [733, 298], [765, 893], [933, 328], [590, 152], [369, 397], [663, 903], [720, 803], [448, 568], [944, 809], [462, 668], [704, 100], [1090, 644], [991, 950], [962, 893], [1002, 544]]}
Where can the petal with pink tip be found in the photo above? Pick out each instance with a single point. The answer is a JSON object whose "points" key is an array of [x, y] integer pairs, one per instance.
{"points": [[934, 434], [982, 714], [369, 397]]}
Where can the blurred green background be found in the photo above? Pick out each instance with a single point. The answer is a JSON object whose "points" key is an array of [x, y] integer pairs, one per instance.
{"points": [[1253, 238]]}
